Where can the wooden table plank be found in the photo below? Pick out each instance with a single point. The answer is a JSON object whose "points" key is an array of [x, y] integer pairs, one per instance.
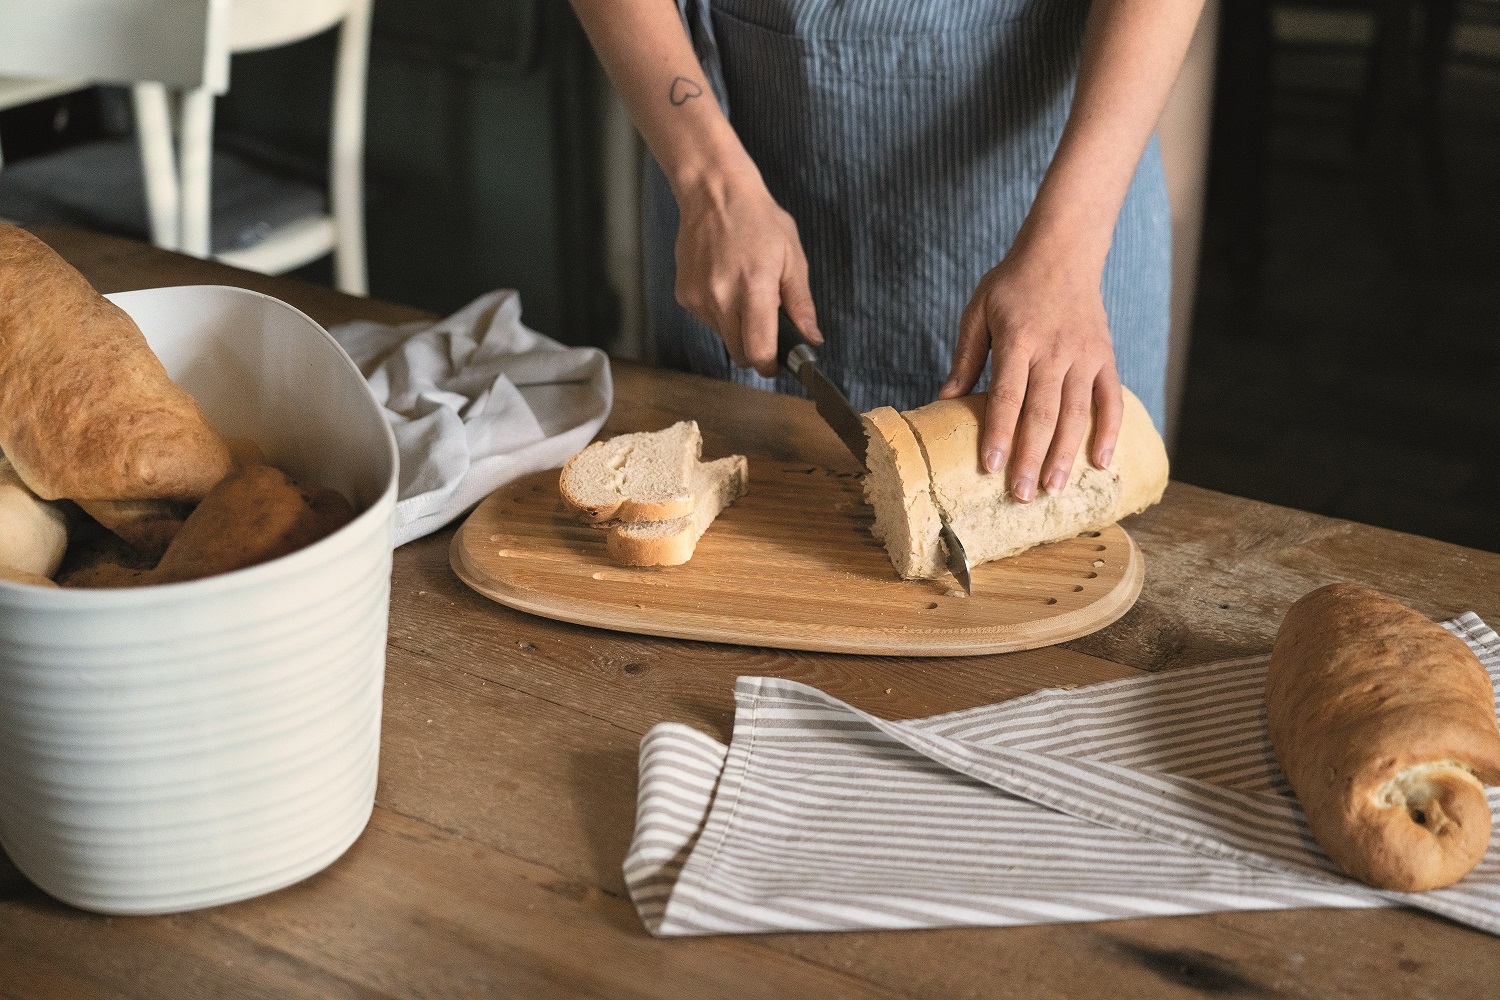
{"points": [[491, 866]]}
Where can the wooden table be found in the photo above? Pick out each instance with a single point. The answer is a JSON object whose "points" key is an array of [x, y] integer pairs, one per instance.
{"points": [[491, 866]]}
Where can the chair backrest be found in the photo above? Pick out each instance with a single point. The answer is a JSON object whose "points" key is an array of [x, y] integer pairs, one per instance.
{"points": [[261, 24], [180, 43]]}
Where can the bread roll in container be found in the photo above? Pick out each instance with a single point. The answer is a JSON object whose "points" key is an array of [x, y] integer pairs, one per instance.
{"points": [[172, 747]]}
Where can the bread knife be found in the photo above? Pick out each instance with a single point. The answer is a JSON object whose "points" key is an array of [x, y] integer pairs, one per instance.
{"points": [[797, 357]]}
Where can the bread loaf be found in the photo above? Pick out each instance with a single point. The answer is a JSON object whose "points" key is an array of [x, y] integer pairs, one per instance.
{"points": [[927, 460], [146, 525], [87, 412], [671, 542], [33, 532], [1384, 724], [253, 516]]}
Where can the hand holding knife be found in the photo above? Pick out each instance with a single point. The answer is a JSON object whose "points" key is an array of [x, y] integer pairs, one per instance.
{"points": [[794, 354]]}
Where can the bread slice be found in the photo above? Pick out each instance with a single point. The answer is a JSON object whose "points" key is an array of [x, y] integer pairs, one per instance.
{"points": [[900, 490], [671, 542], [646, 476], [991, 523]]}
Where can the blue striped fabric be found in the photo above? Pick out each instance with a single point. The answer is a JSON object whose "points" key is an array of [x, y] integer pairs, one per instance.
{"points": [[907, 140]]}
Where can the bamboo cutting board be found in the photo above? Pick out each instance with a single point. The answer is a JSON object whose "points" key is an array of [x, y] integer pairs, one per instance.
{"points": [[791, 565]]}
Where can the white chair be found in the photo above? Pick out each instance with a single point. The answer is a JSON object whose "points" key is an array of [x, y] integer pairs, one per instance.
{"points": [[175, 54]]}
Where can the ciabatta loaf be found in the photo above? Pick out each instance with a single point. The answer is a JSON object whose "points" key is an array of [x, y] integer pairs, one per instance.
{"points": [[87, 412], [646, 476], [927, 460], [1384, 724], [671, 542]]}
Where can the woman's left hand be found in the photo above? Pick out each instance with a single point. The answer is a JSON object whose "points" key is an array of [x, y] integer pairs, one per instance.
{"points": [[1042, 318]]}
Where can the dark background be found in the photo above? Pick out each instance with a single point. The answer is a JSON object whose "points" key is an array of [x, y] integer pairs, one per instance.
{"points": [[1345, 354]]}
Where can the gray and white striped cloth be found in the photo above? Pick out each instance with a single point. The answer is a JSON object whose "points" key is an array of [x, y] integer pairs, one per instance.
{"points": [[1144, 796]]}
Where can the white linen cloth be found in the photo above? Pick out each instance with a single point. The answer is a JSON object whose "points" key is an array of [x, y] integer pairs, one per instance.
{"points": [[1144, 796], [476, 401]]}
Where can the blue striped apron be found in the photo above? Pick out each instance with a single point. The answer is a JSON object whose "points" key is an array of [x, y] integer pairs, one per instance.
{"points": [[907, 139]]}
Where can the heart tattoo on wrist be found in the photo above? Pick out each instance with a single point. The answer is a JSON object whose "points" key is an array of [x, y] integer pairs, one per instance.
{"points": [[683, 90]]}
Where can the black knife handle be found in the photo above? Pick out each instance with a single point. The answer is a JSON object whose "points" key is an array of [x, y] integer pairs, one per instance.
{"points": [[788, 339]]}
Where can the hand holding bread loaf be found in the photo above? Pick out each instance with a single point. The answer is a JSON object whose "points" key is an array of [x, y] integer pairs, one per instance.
{"points": [[927, 460], [1384, 724]]}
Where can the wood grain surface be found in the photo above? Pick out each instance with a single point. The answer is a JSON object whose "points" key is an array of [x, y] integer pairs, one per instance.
{"points": [[491, 866], [791, 565]]}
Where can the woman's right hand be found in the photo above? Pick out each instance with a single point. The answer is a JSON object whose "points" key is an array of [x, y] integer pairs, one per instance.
{"points": [[739, 260]]}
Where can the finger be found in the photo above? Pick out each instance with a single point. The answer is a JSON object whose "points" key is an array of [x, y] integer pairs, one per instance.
{"points": [[1072, 424], [1035, 429], [1109, 411], [758, 328], [796, 298], [969, 354], [1003, 408], [728, 329]]}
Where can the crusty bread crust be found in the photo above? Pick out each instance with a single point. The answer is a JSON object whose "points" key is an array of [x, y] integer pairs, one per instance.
{"points": [[33, 532], [899, 490], [148, 526], [21, 576], [1384, 724], [991, 524], [87, 412]]}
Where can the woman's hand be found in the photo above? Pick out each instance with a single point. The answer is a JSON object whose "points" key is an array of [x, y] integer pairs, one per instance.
{"points": [[739, 260], [1042, 318]]}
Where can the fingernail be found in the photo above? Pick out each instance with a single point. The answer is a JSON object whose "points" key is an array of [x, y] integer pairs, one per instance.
{"points": [[1105, 456], [994, 460], [1023, 489], [947, 388], [1056, 481]]}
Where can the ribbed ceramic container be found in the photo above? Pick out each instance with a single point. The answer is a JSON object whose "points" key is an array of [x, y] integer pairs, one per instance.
{"points": [[172, 747]]}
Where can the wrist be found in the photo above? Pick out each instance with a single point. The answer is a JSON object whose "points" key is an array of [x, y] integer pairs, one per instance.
{"points": [[1075, 228], [708, 163]]}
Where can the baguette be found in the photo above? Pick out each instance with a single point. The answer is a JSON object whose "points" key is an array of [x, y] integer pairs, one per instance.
{"points": [[926, 461], [1384, 725], [87, 412]]}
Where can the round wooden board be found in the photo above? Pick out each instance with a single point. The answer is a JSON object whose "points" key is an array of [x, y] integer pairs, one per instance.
{"points": [[791, 565]]}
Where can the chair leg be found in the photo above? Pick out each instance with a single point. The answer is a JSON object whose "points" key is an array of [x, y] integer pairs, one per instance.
{"points": [[153, 129], [347, 151], [194, 167]]}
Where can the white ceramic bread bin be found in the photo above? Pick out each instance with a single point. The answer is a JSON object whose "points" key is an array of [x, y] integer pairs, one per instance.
{"points": [[172, 747]]}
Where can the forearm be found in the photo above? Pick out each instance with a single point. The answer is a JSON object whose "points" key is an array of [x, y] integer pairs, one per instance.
{"points": [[1132, 51], [650, 61]]}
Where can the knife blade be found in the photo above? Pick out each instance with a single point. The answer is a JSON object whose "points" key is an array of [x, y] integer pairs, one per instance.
{"points": [[797, 357]]}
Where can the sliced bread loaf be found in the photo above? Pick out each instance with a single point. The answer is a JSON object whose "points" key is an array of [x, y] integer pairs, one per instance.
{"points": [[671, 542], [991, 523], [646, 476]]}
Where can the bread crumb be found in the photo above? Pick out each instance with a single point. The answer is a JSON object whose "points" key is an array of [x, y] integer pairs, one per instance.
{"points": [[956, 593]]}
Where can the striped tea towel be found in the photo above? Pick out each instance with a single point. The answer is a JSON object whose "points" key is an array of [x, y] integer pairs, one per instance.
{"points": [[1149, 795]]}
